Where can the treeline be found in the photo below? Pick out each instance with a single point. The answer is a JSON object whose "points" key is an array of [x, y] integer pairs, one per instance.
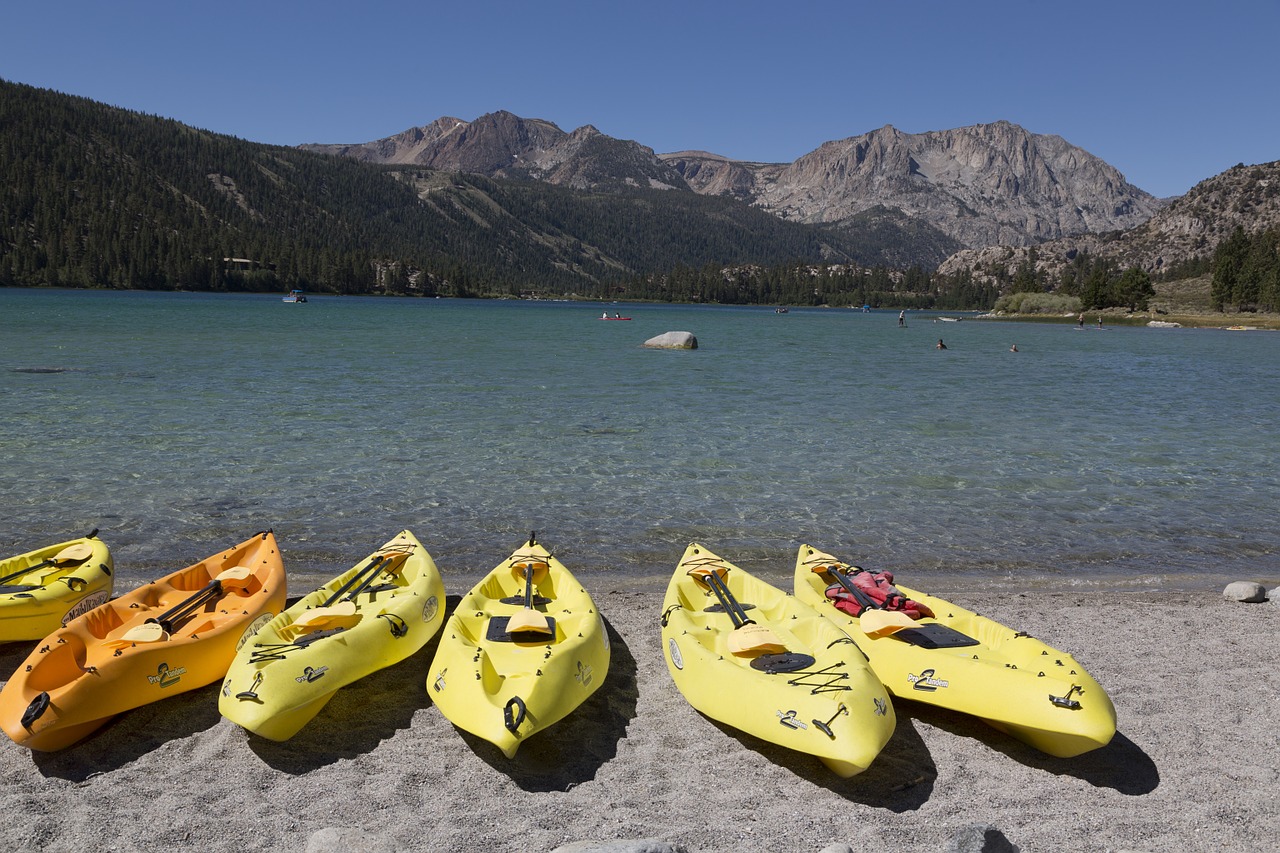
{"points": [[1097, 282], [100, 197], [1102, 283], [95, 196], [1246, 272], [800, 284]]}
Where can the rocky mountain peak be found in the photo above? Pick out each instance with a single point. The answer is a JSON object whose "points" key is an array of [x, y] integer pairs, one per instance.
{"points": [[986, 184], [982, 185], [1188, 228], [503, 145]]}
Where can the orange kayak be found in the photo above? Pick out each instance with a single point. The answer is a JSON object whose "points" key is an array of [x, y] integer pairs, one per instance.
{"points": [[169, 636]]}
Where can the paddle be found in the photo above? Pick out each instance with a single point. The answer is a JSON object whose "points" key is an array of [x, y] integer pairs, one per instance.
{"points": [[370, 571], [529, 619], [747, 636], [842, 578], [882, 623], [387, 560], [75, 553], [874, 621], [341, 615], [159, 628]]}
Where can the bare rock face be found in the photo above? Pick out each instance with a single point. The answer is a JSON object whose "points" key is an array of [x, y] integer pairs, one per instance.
{"points": [[503, 145], [992, 184], [985, 185], [711, 174], [1191, 226]]}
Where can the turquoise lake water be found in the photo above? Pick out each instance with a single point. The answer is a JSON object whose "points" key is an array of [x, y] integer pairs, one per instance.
{"points": [[179, 424]]}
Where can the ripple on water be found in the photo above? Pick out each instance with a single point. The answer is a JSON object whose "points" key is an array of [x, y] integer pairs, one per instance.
{"points": [[182, 425]]}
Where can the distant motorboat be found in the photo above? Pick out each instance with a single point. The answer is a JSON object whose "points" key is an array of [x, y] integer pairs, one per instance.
{"points": [[781, 310], [295, 296]]}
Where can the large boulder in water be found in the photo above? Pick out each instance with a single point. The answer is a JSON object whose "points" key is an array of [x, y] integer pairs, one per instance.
{"points": [[673, 340]]}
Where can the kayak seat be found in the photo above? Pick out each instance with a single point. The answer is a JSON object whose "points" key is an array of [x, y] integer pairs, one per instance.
{"points": [[496, 632], [342, 615], [934, 635], [102, 621], [719, 608], [519, 599], [200, 628]]}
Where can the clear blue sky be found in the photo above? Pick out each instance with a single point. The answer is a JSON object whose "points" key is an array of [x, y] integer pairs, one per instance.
{"points": [[1170, 92]]}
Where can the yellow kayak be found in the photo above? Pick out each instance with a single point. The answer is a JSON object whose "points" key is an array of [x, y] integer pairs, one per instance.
{"points": [[959, 660], [523, 649], [42, 590], [745, 653], [376, 614], [169, 636]]}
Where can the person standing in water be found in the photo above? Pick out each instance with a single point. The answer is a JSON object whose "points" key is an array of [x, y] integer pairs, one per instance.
{"points": [[902, 318], [940, 345]]}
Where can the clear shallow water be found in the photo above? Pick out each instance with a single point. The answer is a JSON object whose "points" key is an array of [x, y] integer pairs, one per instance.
{"points": [[181, 423]]}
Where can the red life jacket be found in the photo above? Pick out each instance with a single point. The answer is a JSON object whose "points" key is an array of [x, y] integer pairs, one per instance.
{"points": [[878, 589]]}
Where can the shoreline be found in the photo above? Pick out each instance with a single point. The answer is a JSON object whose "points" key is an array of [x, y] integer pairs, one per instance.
{"points": [[381, 768], [1241, 322], [1211, 320]]}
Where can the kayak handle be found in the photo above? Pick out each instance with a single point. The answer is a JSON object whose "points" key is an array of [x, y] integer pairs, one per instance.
{"points": [[1066, 701], [510, 720]]}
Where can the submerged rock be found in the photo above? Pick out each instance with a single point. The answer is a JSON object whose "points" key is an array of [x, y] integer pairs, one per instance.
{"points": [[673, 340]]}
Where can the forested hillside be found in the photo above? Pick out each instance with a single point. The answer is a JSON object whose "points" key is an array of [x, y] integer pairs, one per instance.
{"points": [[95, 196], [1246, 272], [833, 285]]}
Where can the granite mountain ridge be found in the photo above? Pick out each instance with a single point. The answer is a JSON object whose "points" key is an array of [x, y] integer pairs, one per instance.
{"points": [[981, 185]]}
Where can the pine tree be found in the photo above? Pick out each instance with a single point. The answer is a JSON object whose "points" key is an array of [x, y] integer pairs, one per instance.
{"points": [[1134, 289], [1228, 261]]}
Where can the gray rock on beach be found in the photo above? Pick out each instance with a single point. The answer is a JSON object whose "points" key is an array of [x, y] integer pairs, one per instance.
{"points": [[673, 340], [342, 839], [980, 838], [634, 845], [1247, 591]]}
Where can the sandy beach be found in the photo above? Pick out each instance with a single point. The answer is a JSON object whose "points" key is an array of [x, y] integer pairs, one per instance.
{"points": [[1194, 765]]}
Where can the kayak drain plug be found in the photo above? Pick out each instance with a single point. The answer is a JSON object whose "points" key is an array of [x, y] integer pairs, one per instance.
{"points": [[38, 706]]}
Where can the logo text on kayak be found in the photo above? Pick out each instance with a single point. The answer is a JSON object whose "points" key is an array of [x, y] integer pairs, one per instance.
{"points": [[166, 677], [926, 681]]}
